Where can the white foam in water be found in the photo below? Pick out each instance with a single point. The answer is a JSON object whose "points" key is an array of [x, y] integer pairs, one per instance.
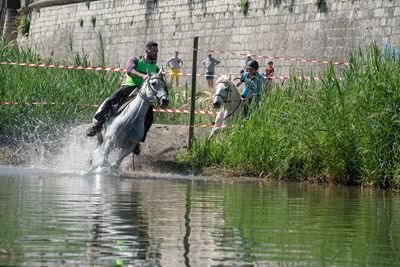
{"points": [[71, 152]]}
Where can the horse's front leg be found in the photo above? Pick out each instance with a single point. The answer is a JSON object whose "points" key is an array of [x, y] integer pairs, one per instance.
{"points": [[99, 138], [214, 131], [125, 152], [218, 121], [107, 149]]}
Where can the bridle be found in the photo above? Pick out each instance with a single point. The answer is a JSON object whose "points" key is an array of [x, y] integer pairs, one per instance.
{"points": [[227, 95], [154, 91]]}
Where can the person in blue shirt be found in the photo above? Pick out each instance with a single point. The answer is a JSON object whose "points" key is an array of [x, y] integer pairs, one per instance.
{"points": [[252, 80]]}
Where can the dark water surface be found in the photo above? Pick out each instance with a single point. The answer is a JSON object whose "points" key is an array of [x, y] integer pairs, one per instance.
{"points": [[49, 219]]}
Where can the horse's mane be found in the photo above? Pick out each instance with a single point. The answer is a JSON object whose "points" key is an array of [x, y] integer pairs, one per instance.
{"points": [[225, 78]]}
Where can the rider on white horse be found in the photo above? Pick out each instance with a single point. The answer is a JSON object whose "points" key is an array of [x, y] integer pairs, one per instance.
{"points": [[136, 70], [252, 79]]}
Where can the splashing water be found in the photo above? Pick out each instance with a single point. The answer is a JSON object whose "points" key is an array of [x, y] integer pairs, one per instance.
{"points": [[68, 150]]}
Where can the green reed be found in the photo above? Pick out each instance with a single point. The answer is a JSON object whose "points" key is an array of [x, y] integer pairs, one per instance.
{"points": [[330, 131], [76, 87]]}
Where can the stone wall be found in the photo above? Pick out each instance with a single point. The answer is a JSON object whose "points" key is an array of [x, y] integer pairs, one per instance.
{"points": [[280, 28]]}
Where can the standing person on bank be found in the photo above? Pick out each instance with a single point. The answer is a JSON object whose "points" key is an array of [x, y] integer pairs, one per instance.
{"points": [[210, 64], [269, 71], [248, 58], [136, 70], [175, 64], [252, 80]]}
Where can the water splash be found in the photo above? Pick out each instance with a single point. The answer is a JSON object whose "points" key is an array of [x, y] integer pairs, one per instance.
{"points": [[67, 150]]}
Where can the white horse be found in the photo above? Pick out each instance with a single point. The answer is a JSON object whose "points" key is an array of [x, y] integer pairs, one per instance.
{"points": [[126, 129], [228, 95]]}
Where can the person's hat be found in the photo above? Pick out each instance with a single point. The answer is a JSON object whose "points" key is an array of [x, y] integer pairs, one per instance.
{"points": [[252, 64]]}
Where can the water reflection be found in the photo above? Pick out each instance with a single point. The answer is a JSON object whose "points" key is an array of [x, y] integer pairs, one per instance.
{"points": [[50, 219]]}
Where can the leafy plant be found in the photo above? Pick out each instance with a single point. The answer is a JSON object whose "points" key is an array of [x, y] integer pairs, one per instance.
{"points": [[80, 21], [343, 132], [75, 87], [92, 19], [321, 5], [23, 24], [204, 12], [244, 6], [290, 7]]}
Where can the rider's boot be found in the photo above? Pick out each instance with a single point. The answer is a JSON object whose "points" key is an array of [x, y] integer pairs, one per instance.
{"points": [[137, 149], [96, 127]]}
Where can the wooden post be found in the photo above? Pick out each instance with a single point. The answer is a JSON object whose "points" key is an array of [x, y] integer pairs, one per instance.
{"points": [[193, 93]]}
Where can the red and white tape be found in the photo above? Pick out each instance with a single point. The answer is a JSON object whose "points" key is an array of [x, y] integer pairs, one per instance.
{"points": [[212, 125], [186, 111], [62, 66], [91, 105], [167, 72], [268, 77], [280, 58], [30, 103]]}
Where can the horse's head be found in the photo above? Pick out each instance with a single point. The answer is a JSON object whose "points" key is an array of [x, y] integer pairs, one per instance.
{"points": [[225, 91], [155, 89]]}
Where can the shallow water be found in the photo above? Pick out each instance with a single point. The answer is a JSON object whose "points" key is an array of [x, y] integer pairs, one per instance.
{"points": [[49, 218]]}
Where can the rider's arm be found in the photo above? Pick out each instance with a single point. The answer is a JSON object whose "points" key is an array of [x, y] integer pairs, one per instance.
{"points": [[245, 93], [264, 80], [242, 77], [131, 68], [134, 73]]}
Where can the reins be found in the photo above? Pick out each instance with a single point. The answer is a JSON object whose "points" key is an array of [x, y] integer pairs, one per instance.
{"points": [[233, 110], [152, 89]]}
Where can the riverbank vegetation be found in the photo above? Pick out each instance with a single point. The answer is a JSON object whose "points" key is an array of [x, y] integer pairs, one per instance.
{"points": [[327, 131], [344, 132], [67, 88]]}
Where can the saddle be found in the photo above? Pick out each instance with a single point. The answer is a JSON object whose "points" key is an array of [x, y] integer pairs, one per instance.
{"points": [[125, 102]]}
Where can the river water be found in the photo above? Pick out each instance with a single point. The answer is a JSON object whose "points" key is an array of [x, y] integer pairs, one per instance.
{"points": [[50, 218]]}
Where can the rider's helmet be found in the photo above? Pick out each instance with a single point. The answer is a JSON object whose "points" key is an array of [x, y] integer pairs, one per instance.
{"points": [[252, 64]]}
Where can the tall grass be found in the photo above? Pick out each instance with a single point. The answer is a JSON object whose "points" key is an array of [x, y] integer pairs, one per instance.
{"points": [[331, 131], [31, 84]]}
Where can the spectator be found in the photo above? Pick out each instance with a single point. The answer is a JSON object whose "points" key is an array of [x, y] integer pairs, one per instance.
{"points": [[270, 69], [175, 64], [210, 64], [248, 58]]}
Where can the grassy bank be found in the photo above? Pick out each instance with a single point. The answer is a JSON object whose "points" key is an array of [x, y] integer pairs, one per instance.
{"points": [[37, 84], [345, 131]]}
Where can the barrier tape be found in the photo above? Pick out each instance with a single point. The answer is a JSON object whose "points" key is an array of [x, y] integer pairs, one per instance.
{"points": [[90, 105], [268, 77], [281, 58], [212, 125], [154, 109], [61, 66], [167, 72]]}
